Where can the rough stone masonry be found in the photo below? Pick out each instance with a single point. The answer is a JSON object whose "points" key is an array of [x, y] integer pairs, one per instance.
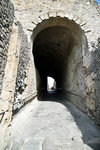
{"points": [[6, 21], [38, 34]]}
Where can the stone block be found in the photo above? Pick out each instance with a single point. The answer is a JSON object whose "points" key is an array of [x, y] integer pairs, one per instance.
{"points": [[52, 14], [44, 16], [60, 14]]}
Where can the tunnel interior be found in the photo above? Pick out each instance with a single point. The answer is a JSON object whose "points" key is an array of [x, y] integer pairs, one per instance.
{"points": [[58, 52]]}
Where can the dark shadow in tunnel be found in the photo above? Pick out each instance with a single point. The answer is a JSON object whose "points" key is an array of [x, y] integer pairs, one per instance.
{"points": [[50, 49], [90, 131]]}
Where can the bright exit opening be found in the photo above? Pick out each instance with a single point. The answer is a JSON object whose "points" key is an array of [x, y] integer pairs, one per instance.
{"points": [[51, 84]]}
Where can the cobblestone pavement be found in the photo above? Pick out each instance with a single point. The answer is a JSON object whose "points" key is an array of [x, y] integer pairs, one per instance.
{"points": [[53, 124]]}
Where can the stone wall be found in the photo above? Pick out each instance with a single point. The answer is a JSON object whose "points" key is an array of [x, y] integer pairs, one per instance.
{"points": [[93, 91], [6, 20], [24, 88], [22, 66]]}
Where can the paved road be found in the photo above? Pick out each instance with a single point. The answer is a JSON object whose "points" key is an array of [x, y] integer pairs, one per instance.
{"points": [[53, 124]]}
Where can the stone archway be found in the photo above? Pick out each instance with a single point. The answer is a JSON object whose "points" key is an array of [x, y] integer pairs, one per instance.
{"points": [[59, 47]]}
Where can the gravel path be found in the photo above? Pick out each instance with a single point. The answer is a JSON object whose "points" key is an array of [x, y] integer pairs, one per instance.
{"points": [[53, 124]]}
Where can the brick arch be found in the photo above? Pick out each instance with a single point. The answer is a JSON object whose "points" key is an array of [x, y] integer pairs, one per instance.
{"points": [[65, 15], [62, 14]]}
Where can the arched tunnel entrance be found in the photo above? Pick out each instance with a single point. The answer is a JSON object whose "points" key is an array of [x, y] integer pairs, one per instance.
{"points": [[59, 48]]}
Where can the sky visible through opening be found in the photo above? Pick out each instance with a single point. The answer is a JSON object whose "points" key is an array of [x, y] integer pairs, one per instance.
{"points": [[98, 2]]}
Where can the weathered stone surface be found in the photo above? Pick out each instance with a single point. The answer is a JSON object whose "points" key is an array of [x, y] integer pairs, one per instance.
{"points": [[53, 124], [6, 20], [8, 87], [75, 52], [86, 17]]}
